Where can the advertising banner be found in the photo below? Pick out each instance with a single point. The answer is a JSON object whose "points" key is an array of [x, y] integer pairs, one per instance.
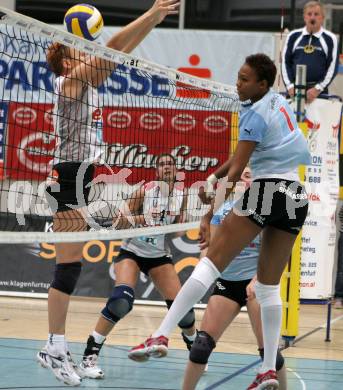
{"points": [[30, 141], [29, 268], [135, 136], [322, 181], [215, 55], [136, 129]]}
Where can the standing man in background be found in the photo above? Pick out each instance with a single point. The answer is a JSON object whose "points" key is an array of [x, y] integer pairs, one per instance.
{"points": [[315, 47]]}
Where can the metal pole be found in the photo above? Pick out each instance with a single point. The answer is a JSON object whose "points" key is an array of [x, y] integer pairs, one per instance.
{"points": [[328, 322], [300, 91], [293, 11], [182, 13]]}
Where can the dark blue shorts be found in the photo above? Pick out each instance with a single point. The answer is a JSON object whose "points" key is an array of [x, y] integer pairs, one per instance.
{"points": [[232, 289], [144, 264], [280, 203], [64, 187]]}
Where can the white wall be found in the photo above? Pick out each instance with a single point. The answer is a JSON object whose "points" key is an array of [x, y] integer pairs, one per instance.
{"points": [[10, 4]]}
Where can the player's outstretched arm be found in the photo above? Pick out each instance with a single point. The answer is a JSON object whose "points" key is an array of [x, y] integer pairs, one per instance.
{"points": [[94, 70], [133, 34]]}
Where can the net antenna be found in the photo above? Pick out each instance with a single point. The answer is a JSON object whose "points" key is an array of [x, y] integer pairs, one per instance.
{"points": [[282, 31], [138, 113]]}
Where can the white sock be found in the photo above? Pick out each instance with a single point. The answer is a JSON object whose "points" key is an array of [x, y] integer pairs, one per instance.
{"points": [[190, 337], [269, 299], [98, 338], [203, 276], [56, 344]]}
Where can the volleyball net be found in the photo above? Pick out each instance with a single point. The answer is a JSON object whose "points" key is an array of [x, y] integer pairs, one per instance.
{"points": [[121, 127]]}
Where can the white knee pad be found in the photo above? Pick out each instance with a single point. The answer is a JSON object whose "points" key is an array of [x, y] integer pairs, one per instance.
{"points": [[205, 272], [268, 295]]}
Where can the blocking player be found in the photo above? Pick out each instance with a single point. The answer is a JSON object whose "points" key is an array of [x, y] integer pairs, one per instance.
{"points": [[79, 139]]}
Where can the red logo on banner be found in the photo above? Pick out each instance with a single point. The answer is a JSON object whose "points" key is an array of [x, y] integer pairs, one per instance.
{"points": [[31, 141], [97, 114], [312, 125], [190, 92], [119, 119], [313, 197], [183, 122], [216, 123], [24, 115], [335, 130], [199, 140], [151, 121]]}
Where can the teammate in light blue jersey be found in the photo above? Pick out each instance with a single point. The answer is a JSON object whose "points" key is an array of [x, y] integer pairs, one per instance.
{"points": [[233, 290], [276, 203], [244, 266]]}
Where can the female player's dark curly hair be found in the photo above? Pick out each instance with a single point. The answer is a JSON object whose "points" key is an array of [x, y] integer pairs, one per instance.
{"points": [[264, 67]]}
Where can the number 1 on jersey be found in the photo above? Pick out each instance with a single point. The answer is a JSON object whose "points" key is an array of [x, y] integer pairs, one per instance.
{"points": [[288, 119]]}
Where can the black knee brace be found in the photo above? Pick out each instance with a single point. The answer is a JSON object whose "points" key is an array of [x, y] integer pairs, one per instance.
{"points": [[188, 320], [66, 276], [280, 361], [202, 348], [119, 303]]}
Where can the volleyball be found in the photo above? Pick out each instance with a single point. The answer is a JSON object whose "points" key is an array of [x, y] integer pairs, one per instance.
{"points": [[84, 20]]}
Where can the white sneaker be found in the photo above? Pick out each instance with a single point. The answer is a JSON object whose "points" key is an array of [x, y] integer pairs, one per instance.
{"points": [[72, 363], [42, 358], [88, 368], [60, 366]]}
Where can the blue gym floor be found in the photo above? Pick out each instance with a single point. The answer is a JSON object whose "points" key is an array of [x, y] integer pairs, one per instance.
{"points": [[19, 370]]}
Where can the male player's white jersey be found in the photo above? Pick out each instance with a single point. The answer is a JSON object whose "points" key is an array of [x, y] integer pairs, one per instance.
{"points": [[160, 207], [281, 146], [78, 126]]}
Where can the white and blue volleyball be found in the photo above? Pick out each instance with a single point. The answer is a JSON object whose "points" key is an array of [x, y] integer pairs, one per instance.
{"points": [[84, 20]]}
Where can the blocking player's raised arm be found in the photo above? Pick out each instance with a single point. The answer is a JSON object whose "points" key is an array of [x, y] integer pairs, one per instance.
{"points": [[95, 70]]}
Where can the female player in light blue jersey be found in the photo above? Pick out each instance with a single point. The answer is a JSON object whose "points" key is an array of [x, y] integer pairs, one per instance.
{"points": [[234, 289], [78, 128], [276, 203], [157, 203]]}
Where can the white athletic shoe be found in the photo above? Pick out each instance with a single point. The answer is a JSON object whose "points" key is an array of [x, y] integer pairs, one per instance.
{"points": [[89, 368], [60, 366], [72, 363]]}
